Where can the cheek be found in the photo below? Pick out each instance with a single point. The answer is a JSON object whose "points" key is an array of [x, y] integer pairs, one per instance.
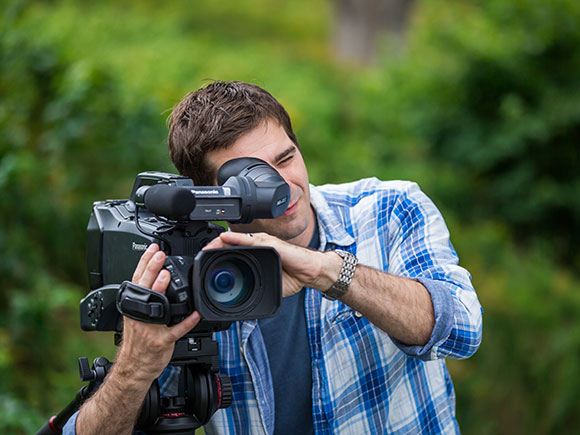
{"points": [[296, 176]]}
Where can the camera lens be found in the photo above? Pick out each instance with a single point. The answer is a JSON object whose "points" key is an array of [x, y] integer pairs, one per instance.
{"points": [[237, 283], [229, 282]]}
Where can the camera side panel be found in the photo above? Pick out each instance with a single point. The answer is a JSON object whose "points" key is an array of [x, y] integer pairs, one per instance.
{"points": [[114, 244]]}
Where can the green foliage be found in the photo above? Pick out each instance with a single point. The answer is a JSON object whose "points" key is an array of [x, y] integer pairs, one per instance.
{"points": [[482, 109], [65, 141], [491, 92], [516, 122], [522, 379]]}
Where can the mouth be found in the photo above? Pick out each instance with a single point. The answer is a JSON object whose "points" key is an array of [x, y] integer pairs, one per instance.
{"points": [[291, 209]]}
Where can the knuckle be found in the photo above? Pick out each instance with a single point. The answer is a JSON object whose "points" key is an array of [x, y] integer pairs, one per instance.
{"points": [[155, 342], [152, 269], [157, 346], [144, 258]]}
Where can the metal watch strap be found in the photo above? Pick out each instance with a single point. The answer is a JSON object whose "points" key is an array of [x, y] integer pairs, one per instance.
{"points": [[340, 287]]}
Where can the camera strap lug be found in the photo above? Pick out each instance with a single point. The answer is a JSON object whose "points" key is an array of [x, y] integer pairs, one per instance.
{"points": [[143, 304]]}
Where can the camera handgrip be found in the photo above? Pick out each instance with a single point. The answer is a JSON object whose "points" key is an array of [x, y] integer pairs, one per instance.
{"points": [[143, 304]]}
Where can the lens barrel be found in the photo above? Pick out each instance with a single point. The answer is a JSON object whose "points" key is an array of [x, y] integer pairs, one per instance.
{"points": [[240, 283]]}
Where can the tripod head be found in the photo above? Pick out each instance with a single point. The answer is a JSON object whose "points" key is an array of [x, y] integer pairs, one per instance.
{"points": [[201, 390]]}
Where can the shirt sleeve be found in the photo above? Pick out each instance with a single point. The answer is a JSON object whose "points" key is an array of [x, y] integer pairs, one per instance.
{"points": [[420, 248], [71, 425]]}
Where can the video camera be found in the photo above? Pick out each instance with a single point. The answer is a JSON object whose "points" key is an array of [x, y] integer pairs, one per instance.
{"points": [[223, 285]]}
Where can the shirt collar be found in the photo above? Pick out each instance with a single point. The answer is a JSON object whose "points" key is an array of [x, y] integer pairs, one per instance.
{"points": [[331, 229]]}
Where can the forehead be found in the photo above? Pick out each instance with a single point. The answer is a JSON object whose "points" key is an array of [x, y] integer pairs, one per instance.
{"points": [[268, 141]]}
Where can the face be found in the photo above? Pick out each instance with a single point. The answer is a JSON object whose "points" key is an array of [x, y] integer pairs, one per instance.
{"points": [[270, 143]]}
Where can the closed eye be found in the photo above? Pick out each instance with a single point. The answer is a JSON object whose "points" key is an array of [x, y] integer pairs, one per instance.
{"points": [[285, 156], [286, 160]]}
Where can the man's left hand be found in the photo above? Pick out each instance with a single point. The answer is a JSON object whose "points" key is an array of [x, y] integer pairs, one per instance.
{"points": [[300, 266]]}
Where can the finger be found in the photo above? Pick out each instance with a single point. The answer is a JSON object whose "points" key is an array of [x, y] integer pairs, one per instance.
{"points": [[152, 269], [183, 327], [216, 243], [145, 258], [246, 239], [162, 281], [254, 239]]}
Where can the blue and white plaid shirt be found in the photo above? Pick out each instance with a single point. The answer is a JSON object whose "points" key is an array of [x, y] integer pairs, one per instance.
{"points": [[364, 382]]}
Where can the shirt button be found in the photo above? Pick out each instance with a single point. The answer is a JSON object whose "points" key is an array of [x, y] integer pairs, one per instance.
{"points": [[358, 314]]}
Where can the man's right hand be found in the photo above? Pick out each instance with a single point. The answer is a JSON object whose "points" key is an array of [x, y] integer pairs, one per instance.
{"points": [[148, 347], [145, 352]]}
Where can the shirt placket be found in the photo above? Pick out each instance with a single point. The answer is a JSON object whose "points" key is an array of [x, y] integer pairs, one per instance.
{"points": [[253, 352]]}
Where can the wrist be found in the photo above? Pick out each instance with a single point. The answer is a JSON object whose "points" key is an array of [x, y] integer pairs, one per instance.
{"points": [[329, 267], [123, 389], [138, 369], [128, 374], [345, 276]]}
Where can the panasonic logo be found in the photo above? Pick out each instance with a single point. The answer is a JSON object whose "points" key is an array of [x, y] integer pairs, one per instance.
{"points": [[206, 192], [139, 246]]}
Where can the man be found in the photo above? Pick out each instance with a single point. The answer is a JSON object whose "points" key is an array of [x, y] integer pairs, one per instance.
{"points": [[373, 297]]}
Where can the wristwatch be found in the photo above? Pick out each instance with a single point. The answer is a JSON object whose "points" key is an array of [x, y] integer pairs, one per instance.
{"points": [[340, 287]]}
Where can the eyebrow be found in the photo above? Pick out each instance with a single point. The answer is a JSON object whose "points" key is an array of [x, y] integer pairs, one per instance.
{"points": [[285, 153]]}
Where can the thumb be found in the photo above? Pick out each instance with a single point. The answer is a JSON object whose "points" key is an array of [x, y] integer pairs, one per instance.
{"points": [[186, 325]]}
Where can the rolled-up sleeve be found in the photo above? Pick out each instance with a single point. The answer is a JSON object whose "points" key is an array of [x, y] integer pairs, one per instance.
{"points": [[420, 248]]}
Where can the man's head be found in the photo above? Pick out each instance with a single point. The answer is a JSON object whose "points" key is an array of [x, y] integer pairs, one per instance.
{"points": [[214, 117], [226, 120]]}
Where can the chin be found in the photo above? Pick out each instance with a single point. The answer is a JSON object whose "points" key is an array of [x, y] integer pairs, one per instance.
{"points": [[289, 233]]}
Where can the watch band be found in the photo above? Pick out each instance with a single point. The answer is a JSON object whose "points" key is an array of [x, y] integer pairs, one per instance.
{"points": [[340, 287]]}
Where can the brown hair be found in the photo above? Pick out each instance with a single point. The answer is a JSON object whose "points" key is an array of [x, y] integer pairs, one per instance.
{"points": [[213, 118]]}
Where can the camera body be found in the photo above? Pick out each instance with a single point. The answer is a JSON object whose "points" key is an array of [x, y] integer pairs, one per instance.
{"points": [[223, 285]]}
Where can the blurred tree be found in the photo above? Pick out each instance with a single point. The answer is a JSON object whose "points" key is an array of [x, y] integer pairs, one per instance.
{"points": [[495, 109], [360, 24], [514, 125]]}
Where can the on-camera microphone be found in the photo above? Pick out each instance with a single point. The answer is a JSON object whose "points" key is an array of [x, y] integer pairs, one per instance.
{"points": [[169, 201]]}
